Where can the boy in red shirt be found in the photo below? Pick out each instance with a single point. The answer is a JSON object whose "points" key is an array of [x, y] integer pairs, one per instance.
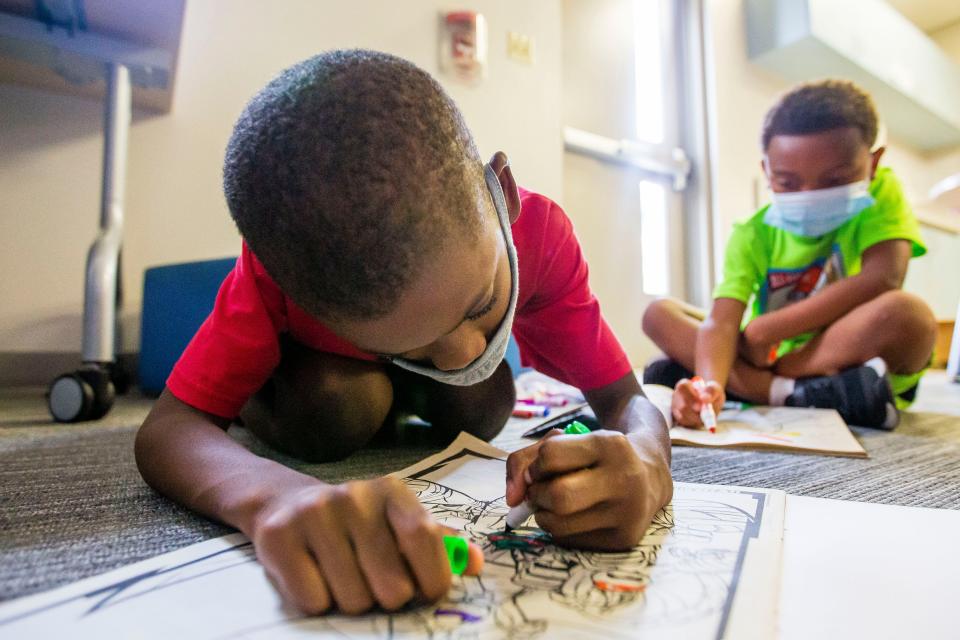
{"points": [[383, 269]]}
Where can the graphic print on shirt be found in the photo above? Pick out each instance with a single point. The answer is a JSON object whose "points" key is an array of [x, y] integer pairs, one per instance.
{"points": [[783, 287]]}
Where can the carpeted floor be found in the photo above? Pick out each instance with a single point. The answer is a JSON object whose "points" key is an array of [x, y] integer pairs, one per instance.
{"points": [[72, 503]]}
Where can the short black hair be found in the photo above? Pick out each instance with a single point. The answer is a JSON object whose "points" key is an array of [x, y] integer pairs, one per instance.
{"points": [[345, 173], [814, 107]]}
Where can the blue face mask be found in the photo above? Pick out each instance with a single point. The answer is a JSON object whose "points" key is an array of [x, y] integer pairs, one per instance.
{"points": [[817, 213]]}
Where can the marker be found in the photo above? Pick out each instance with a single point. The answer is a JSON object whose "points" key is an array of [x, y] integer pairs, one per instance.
{"points": [[772, 356], [549, 401], [530, 411], [576, 428], [707, 414], [458, 553], [520, 513]]}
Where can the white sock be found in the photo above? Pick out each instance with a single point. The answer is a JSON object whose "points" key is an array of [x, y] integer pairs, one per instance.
{"points": [[878, 364], [780, 390]]}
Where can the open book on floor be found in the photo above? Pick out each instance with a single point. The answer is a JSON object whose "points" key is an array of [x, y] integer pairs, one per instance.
{"points": [[796, 429]]}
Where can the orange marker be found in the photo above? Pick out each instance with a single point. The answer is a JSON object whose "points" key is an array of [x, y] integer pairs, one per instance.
{"points": [[772, 356], [618, 587]]}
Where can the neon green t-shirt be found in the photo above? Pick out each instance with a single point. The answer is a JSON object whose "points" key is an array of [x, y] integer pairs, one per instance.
{"points": [[768, 268]]}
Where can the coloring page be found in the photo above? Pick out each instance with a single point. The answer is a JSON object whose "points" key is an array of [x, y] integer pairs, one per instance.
{"points": [[708, 567]]}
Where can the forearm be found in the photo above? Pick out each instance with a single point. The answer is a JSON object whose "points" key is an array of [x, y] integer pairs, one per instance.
{"points": [[623, 407], [716, 349], [194, 462], [647, 436], [818, 311]]}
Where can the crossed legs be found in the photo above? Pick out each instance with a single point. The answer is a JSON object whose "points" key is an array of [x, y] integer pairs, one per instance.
{"points": [[896, 326]]}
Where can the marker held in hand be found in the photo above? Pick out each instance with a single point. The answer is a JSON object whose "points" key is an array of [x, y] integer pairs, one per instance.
{"points": [[520, 513], [458, 553], [707, 414]]}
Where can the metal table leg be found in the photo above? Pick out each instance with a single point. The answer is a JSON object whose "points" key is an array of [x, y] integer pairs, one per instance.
{"points": [[88, 393]]}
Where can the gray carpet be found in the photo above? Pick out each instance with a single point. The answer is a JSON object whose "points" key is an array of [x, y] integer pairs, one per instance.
{"points": [[72, 503]]}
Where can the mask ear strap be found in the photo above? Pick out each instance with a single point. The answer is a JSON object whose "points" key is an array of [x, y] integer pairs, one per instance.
{"points": [[496, 191]]}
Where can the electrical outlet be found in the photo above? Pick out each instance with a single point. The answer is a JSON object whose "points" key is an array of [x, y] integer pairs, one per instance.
{"points": [[520, 47]]}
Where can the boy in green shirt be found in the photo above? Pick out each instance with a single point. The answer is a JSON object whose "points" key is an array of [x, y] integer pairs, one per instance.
{"points": [[818, 273]]}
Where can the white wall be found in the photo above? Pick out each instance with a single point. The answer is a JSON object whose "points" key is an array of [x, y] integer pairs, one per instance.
{"points": [[50, 151], [601, 198], [744, 92], [50, 145]]}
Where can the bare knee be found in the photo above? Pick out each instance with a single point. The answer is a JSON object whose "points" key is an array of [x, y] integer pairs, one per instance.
{"points": [[321, 408], [342, 415], [910, 328], [659, 316], [487, 413], [907, 316], [481, 410]]}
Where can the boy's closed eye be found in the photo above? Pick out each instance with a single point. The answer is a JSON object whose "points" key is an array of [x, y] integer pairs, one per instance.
{"points": [[473, 316], [482, 311]]}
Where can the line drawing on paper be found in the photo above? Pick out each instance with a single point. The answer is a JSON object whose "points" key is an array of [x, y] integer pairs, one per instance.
{"points": [[680, 581]]}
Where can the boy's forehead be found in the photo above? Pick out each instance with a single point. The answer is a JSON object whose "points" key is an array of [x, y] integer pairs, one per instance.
{"points": [[827, 148], [437, 299]]}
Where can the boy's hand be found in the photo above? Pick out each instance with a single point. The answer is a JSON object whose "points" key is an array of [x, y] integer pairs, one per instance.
{"points": [[596, 490], [353, 546], [687, 402]]}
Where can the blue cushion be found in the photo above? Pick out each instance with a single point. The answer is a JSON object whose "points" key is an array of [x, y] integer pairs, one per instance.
{"points": [[176, 300], [513, 357]]}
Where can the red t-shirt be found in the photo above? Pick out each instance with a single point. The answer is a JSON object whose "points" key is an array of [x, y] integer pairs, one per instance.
{"points": [[558, 325]]}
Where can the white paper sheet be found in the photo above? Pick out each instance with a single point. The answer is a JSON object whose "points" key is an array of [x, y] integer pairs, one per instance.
{"points": [[859, 570], [797, 429], [708, 568]]}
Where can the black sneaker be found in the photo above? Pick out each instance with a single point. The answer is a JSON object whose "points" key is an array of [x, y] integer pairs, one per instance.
{"points": [[862, 395], [669, 372], [665, 371]]}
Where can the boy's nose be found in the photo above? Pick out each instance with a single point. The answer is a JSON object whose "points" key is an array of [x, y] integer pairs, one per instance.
{"points": [[461, 352]]}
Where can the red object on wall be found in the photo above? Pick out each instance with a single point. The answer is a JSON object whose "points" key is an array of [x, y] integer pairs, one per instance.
{"points": [[463, 45]]}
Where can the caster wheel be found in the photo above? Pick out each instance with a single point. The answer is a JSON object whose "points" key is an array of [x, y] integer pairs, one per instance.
{"points": [[121, 379], [86, 394]]}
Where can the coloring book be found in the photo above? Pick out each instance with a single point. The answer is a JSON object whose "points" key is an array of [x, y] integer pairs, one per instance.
{"points": [[708, 567], [794, 429]]}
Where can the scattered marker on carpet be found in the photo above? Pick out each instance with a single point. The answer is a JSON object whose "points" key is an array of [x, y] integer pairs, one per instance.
{"points": [[530, 411], [547, 401]]}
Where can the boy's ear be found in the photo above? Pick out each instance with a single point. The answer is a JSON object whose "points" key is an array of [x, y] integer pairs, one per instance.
{"points": [[501, 166], [875, 161]]}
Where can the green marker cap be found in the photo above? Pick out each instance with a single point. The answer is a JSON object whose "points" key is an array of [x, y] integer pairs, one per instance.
{"points": [[458, 553], [576, 427]]}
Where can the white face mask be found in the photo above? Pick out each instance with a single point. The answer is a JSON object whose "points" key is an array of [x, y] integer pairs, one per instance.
{"points": [[484, 366]]}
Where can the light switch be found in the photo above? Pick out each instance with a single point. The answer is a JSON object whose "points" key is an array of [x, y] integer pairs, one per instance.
{"points": [[520, 47]]}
